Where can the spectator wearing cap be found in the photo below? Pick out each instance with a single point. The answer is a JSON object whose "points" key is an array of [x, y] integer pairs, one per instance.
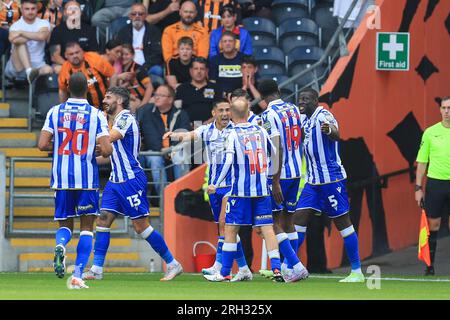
{"points": [[145, 39], [187, 27], [243, 38], [71, 30]]}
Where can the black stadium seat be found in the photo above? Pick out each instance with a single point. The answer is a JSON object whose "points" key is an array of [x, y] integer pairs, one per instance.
{"points": [[270, 60], [298, 32], [323, 15], [263, 31], [285, 9], [301, 58]]}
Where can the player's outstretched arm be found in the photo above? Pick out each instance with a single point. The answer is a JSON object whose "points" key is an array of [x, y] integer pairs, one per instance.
{"points": [[45, 141], [330, 130], [180, 136], [104, 146]]}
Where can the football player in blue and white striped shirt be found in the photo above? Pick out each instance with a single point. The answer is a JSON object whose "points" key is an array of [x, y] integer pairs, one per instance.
{"points": [[325, 189], [75, 128], [282, 120], [213, 135], [126, 191], [248, 152]]}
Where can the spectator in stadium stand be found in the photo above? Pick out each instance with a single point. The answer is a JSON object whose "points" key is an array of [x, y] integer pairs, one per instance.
{"points": [[225, 68], [249, 83], [257, 8], [162, 13], [133, 77], [52, 11], [9, 13], [211, 10], [186, 27], [71, 30], [434, 153], [95, 68], [109, 11], [243, 38], [28, 37], [155, 119], [113, 54], [145, 39], [177, 70], [198, 95]]}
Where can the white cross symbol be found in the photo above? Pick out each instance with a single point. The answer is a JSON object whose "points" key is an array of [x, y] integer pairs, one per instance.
{"points": [[393, 47]]}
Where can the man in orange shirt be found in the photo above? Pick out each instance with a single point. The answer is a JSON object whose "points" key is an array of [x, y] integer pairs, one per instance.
{"points": [[186, 27], [96, 69]]}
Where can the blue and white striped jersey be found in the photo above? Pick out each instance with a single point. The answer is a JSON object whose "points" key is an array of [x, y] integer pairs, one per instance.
{"points": [[251, 148], [124, 159], [214, 140], [254, 119], [323, 164], [283, 119], [75, 126]]}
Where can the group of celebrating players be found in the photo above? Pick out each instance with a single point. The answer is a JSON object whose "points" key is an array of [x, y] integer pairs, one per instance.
{"points": [[254, 176]]}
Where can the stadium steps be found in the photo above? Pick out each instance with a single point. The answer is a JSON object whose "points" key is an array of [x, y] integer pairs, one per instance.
{"points": [[13, 123], [4, 109], [24, 152], [124, 254], [18, 139]]}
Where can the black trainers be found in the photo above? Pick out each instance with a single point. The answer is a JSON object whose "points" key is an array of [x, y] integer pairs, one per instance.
{"points": [[429, 271], [59, 261], [277, 277]]}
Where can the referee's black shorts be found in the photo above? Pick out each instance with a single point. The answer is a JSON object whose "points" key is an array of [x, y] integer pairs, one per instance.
{"points": [[437, 198]]}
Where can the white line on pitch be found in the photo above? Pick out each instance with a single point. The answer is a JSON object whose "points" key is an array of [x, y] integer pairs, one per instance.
{"points": [[386, 279]]}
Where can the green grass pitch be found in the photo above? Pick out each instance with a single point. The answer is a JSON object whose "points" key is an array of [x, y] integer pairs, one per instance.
{"points": [[43, 286]]}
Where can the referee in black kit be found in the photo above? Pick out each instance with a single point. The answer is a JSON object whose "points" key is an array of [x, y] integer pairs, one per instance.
{"points": [[434, 152]]}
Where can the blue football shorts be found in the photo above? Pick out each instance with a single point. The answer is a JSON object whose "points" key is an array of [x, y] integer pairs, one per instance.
{"points": [[128, 198], [73, 203], [330, 198], [249, 211], [289, 188], [215, 201]]}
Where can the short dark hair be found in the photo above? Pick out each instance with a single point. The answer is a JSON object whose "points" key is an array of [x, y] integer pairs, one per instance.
{"points": [[77, 85], [227, 34], [71, 44], [268, 87], [312, 91], [219, 101], [199, 60], [185, 40], [28, 1], [123, 93], [239, 92], [249, 60], [113, 43], [445, 99]]}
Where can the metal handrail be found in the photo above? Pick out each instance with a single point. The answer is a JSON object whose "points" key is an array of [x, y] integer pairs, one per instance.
{"points": [[317, 64]]}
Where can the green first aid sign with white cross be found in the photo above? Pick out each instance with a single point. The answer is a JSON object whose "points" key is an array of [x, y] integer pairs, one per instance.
{"points": [[393, 51]]}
